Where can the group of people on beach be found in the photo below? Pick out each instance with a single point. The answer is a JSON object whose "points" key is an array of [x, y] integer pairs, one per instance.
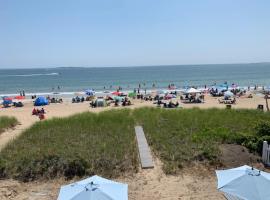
{"points": [[40, 113]]}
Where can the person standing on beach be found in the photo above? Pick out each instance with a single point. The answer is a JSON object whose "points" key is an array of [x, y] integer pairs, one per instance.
{"points": [[23, 93]]}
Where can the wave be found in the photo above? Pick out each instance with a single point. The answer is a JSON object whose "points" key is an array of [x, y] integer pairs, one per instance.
{"points": [[29, 75]]}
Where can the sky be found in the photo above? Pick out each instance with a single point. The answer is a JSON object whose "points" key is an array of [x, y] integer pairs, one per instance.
{"points": [[100, 33]]}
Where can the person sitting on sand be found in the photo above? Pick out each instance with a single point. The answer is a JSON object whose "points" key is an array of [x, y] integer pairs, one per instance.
{"points": [[42, 111], [41, 116], [34, 112]]}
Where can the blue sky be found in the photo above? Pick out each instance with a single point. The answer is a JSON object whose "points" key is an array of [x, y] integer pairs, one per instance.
{"points": [[93, 33]]}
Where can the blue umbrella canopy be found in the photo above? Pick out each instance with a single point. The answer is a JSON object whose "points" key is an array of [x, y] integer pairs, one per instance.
{"points": [[90, 92], [244, 182], [94, 188]]}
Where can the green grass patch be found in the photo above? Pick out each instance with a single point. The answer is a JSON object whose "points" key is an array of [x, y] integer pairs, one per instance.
{"points": [[83, 144], [104, 143], [7, 122], [182, 136]]}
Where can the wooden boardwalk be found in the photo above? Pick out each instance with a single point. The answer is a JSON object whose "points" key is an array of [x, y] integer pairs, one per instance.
{"points": [[144, 150]]}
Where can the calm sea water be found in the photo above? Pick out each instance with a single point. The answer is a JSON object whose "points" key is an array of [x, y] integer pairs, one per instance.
{"points": [[78, 79]]}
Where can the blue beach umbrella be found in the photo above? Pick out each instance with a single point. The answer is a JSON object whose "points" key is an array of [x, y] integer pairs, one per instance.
{"points": [[90, 92], [94, 188], [245, 183]]}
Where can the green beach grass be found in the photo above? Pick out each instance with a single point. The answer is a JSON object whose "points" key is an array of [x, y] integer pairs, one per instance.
{"points": [[7, 122], [104, 143]]}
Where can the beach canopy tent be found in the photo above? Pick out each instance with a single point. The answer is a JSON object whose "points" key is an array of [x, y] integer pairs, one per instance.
{"points": [[100, 102], [41, 101], [90, 92], [192, 91], [132, 94], [94, 188], [118, 98], [245, 183], [228, 94], [6, 102]]}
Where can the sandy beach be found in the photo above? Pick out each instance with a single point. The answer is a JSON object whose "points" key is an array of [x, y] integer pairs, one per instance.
{"points": [[146, 184]]}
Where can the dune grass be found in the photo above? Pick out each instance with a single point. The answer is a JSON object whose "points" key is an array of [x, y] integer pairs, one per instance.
{"points": [[83, 144], [180, 137], [7, 122], [104, 143]]}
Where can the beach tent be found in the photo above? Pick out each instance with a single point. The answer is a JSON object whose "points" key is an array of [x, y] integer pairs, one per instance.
{"points": [[192, 91], [90, 92], [94, 188], [100, 103], [132, 94], [6, 102], [228, 94], [245, 183], [118, 98], [41, 101]]}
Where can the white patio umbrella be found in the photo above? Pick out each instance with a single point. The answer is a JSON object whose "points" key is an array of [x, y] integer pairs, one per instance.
{"points": [[192, 91], [244, 183], [228, 94], [94, 188]]}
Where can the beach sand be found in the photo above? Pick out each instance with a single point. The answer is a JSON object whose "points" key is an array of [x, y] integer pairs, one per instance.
{"points": [[145, 185]]}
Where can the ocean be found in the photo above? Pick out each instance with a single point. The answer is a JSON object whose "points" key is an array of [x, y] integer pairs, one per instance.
{"points": [[71, 79]]}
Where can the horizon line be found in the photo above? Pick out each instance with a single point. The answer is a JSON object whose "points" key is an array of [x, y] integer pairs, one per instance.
{"points": [[137, 66]]}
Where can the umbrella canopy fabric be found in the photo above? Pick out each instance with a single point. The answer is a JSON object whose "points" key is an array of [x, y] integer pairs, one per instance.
{"points": [[228, 94], [90, 92], [116, 93], [94, 188], [192, 90], [245, 183]]}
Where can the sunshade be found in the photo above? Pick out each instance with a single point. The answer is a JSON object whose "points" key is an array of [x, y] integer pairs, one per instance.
{"points": [[116, 93], [90, 92], [228, 94], [94, 188], [192, 90], [131, 94], [245, 183]]}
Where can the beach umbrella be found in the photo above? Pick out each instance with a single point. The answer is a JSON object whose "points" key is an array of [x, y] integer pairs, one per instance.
{"points": [[192, 91], [244, 183], [131, 94], [90, 92], [94, 188], [116, 93], [228, 94], [19, 97]]}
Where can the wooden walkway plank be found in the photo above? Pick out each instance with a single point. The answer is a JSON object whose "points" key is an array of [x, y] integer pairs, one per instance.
{"points": [[144, 150]]}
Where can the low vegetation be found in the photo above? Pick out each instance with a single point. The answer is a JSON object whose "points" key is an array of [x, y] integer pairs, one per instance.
{"points": [[7, 122], [84, 144], [104, 143], [179, 137]]}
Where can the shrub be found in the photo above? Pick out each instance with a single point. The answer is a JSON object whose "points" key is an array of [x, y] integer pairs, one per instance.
{"points": [[263, 128]]}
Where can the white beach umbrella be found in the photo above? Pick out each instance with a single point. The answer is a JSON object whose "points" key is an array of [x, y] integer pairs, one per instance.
{"points": [[244, 183], [192, 91]]}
